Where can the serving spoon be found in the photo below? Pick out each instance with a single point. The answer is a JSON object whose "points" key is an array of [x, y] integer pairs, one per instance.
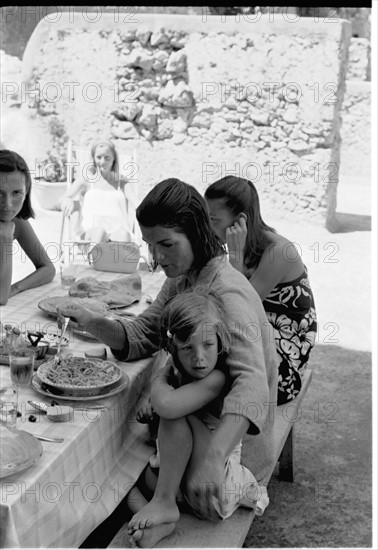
{"points": [[57, 359]]}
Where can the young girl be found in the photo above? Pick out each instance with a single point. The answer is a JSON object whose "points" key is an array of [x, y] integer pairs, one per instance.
{"points": [[274, 268], [15, 210], [192, 384], [101, 191]]}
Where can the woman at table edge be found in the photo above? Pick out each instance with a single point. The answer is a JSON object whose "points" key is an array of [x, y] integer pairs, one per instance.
{"points": [[175, 223], [15, 211]]}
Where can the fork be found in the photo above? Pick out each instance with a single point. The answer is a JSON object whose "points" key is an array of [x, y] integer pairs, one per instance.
{"points": [[57, 359]]}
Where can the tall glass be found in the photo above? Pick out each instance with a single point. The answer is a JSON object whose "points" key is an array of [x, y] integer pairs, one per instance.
{"points": [[21, 362], [8, 405]]}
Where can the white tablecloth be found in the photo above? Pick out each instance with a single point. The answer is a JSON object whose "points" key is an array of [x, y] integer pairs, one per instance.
{"points": [[76, 484]]}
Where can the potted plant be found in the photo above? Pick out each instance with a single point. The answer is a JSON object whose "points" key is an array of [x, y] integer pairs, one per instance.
{"points": [[50, 180]]}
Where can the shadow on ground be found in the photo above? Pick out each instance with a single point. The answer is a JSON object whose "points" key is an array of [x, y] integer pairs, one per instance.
{"points": [[346, 223], [329, 503]]}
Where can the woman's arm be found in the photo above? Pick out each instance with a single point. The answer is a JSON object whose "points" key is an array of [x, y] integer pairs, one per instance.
{"points": [[109, 331], [6, 240], [171, 403], [29, 242], [279, 262], [128, 340], [77, 189]]}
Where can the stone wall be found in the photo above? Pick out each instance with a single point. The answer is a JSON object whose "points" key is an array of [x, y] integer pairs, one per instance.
{"points": [[355, 160], [359, 59], [200, 97]]}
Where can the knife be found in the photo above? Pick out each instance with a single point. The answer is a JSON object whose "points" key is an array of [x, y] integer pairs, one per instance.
{"points": [[51, 439]]}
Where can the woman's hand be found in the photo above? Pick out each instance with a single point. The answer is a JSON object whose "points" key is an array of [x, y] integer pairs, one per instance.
{"points": [[7, 231], [205, 485], [236, 236], [68, 206], [80, 317]]}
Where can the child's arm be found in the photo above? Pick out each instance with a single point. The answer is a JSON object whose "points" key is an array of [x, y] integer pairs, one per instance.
{"points": [[171, 403]]}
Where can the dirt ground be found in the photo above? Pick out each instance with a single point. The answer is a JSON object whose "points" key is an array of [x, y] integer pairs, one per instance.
{"points": [[330, 502]]}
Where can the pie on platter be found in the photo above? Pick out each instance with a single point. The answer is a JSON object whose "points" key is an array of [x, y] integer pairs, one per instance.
{"points": [[79, 376]]}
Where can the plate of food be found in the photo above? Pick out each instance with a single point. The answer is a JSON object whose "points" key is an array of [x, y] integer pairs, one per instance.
{"points": [[50, 306], [19, 450], [50, 336], [78, 376], [115, 294], [44, 342], [39, 387]]}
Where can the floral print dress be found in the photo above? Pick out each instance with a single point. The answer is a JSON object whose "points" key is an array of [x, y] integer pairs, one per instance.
{"points": [[290, 309]]}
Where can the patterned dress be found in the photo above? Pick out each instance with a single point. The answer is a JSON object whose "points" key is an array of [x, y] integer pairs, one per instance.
{"points": [[290, 309]]}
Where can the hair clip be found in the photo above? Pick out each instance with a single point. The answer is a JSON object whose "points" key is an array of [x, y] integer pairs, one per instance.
{"points": [[169, 334]]}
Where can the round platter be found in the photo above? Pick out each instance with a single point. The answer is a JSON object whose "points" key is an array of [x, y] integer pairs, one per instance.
{"points": [[105, 375], [49, 305], [19, 450], [36, 384]]}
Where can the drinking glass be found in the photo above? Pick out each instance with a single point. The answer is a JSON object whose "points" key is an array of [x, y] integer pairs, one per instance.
{"points": [[8, 405], [21, 362], [68, 274]]}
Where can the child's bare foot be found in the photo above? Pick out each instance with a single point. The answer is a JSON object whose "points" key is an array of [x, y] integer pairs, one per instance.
{"points": [[157, 511], [147, 538]]}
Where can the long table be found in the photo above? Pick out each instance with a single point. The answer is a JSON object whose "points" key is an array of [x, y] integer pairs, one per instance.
{"points": [[77, 484]]}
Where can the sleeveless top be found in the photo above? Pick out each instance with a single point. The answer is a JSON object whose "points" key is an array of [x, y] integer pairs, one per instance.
{"points": [[290, 309], [104, 207]]}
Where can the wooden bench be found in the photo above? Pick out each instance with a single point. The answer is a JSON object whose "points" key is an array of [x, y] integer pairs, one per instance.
{"points": [[192, 532]]}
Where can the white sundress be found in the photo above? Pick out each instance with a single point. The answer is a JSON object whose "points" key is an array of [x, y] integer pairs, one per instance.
{"points": [[106, 207]]}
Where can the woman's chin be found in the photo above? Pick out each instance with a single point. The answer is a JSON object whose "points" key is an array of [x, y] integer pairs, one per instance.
{"points": [[168, 270]]}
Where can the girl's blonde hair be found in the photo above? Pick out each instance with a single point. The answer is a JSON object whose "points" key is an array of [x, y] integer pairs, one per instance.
{"points": [[185, 312]]}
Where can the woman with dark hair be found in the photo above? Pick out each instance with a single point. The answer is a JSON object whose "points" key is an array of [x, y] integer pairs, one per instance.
{"points": [[274, 267], [15, 211], [176, 225]]}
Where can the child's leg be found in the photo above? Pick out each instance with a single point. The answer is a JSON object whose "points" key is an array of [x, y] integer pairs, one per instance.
{"points": [[175, 445], [136, 500], [142, 491]]}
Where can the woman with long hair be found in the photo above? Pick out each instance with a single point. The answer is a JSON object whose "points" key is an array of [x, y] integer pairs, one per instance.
{"points": [[273, 266], [15, 211]]}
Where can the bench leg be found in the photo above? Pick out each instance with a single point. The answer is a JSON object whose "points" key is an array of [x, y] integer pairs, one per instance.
{"points": [[286, 460]]}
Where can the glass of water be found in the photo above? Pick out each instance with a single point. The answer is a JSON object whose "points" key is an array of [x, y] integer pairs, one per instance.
{"points": [[21, 362], [8, 405]]}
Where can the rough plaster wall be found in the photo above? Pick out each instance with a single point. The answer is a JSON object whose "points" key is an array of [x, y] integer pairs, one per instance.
{"points": [[247, 137], [355, 131]]}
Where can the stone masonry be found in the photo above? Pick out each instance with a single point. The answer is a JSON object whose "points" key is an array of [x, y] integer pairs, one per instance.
{"points": [[207, 96]]}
